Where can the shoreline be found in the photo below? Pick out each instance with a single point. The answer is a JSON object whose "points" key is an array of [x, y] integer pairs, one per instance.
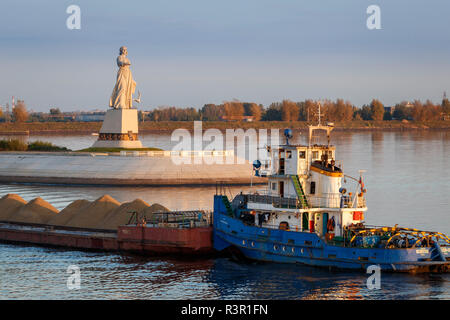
{"points": [[165, 127]]}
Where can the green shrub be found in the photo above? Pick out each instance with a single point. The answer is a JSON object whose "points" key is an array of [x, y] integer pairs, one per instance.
{"points": [[13, 145], [17, 145], [44, 146]]}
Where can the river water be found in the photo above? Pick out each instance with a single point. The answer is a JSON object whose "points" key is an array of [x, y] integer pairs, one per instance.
{"points": [[407, 181]]}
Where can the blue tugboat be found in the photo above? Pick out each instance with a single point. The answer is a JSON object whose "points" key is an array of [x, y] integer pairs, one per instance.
{"points": [[308, 216]]}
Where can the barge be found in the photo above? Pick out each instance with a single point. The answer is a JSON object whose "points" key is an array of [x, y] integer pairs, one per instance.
{"points": [[183, 233], [313, 214]]}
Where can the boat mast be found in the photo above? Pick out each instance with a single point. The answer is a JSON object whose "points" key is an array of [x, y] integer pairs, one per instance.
{"points": [[319, 113]]}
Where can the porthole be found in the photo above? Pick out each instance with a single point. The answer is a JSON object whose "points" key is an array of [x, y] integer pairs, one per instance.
{"points": [[253, 244], [293, 250], [275, 247], [301, 251], [243, 242]]}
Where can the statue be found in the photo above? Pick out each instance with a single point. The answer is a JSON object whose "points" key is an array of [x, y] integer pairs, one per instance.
{"points": [[120, 126], [121, 97]]}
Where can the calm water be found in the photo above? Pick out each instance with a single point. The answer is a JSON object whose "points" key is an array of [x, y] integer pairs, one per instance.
{"points": [[407, 181]]}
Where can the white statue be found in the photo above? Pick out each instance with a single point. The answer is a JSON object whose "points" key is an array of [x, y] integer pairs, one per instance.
{"points": [[121, 97]]}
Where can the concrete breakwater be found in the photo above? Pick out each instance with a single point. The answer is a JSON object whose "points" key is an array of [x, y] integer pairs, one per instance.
{"points": [[130, 168]]}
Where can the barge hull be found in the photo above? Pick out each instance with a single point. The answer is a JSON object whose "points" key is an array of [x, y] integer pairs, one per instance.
{"points": [[185, 241], [46, 236], [147, 241]]}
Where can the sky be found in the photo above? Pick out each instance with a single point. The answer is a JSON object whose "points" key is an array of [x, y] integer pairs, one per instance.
{"points": [[189, 53]]}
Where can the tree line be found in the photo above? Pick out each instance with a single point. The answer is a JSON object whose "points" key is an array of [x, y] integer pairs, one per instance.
{"points": [[307, 110], [286, 110]]}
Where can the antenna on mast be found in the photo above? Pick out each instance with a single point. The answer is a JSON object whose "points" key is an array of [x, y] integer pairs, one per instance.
{"points": [[7, 112], [319, 112]]}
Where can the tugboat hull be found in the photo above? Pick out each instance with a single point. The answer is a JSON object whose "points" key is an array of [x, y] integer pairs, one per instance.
{"points": [[274, 245]]}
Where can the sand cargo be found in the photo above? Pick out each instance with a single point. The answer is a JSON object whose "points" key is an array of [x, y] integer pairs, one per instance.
{"points": [[106, 224]]}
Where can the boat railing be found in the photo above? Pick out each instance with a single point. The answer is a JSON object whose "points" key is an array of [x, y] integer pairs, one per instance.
{"points": [[181, 153], [173, 219], [330, 200], [276, 201], [296, 228], [360, 201], [337, 200], [262, 192], [180, 225], [326, 165]]}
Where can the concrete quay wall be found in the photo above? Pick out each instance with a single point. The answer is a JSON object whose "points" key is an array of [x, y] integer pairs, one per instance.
{"points": [[104, 169]]}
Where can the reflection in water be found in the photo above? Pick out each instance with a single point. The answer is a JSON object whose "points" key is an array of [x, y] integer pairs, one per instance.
{"points": [[40, 273], [407, 183], [235, 280], [377, 140]]}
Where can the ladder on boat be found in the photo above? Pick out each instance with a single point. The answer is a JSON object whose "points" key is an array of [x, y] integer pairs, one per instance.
{"points": [[227, 204], [299, 190]]}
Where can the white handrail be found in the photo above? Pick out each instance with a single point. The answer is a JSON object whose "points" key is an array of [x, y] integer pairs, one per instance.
{"points": [[182, 153]]}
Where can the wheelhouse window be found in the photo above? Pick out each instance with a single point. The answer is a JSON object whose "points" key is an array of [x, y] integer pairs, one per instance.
{"points": [[315, 154], [274, 186], [302, 154], [289, 154], [313, 187]]}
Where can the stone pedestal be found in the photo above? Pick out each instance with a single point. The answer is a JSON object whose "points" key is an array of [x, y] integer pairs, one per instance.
{"points": [[119, 130]]}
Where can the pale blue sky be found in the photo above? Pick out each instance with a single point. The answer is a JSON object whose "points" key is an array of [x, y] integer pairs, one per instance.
{"points": [[188, 53]]}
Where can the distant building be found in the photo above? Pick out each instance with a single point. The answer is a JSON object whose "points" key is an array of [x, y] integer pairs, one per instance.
{"points": [[61, 117], [90, 116], [237, 118], [389, 109]]}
